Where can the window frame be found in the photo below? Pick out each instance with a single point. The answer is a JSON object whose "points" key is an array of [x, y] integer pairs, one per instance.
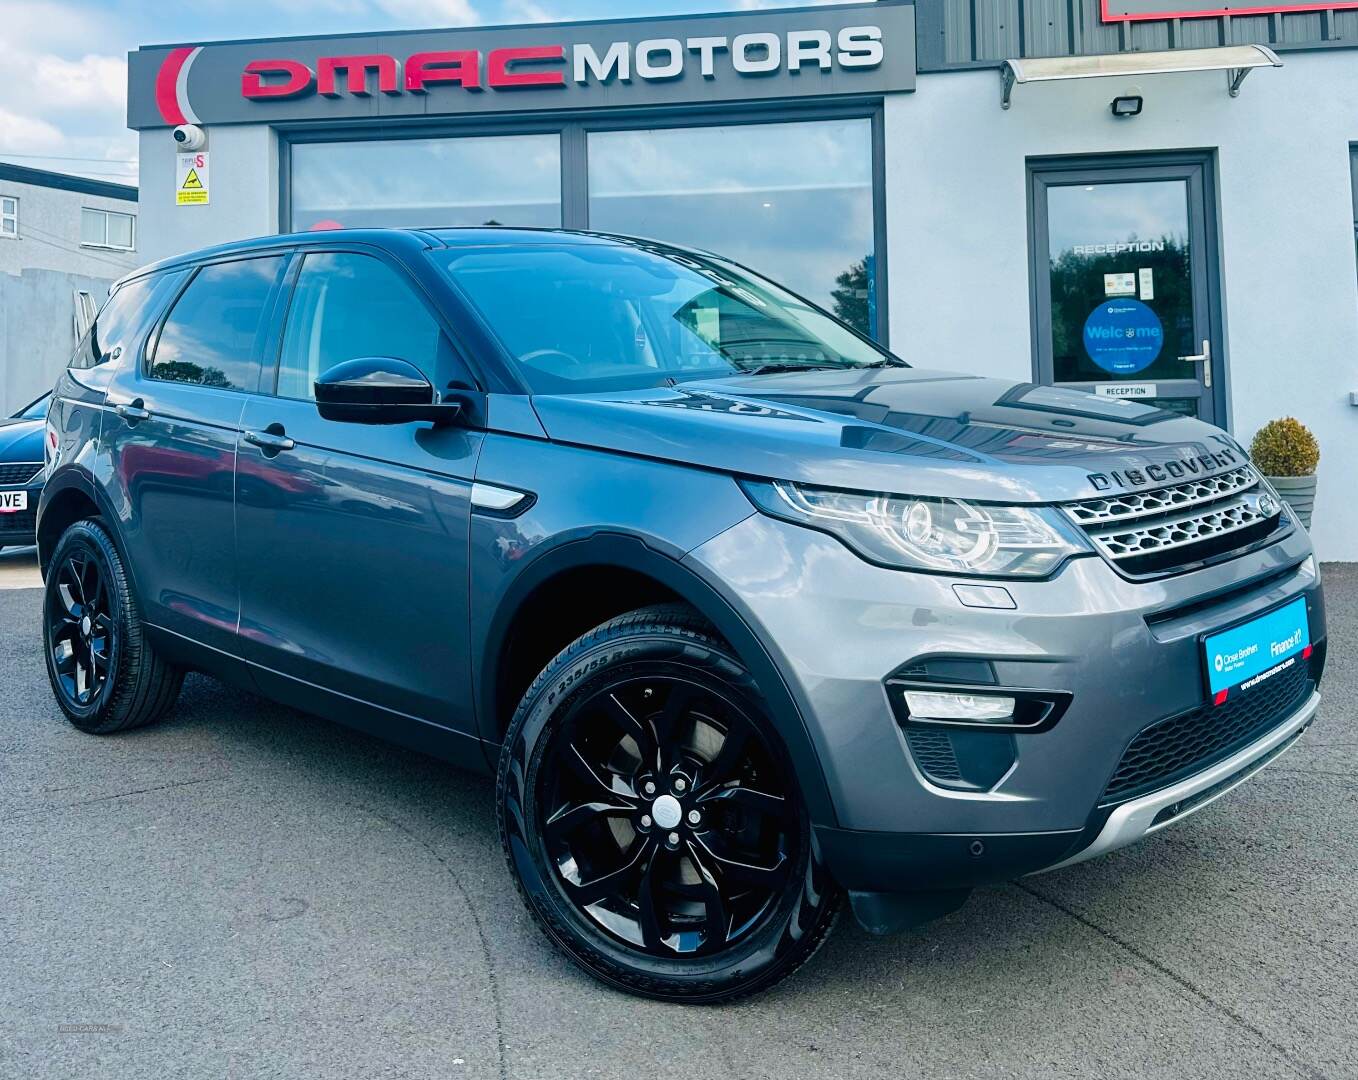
{"points": [[573, 127], [12, 215], [269, 333], [106, 214]]}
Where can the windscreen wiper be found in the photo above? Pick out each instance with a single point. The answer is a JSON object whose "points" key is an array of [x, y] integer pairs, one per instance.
{"points": [[780, 367]]}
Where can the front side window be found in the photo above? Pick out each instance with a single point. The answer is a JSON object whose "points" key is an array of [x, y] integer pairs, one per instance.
{"points": [[214, 334], [585, 317], [9, 216], [420, 183], [794, 200], [107, 228], [348, 306]]}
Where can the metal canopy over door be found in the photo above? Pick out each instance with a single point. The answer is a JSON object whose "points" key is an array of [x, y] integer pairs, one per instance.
{"points": [[1126, 299]]}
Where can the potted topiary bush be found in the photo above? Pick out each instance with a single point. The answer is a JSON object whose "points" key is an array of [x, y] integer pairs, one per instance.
{"points": [[1287, 453]]}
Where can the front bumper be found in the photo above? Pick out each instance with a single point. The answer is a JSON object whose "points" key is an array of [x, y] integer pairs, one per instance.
{"points": [[1131, 821], [1128, 653]]}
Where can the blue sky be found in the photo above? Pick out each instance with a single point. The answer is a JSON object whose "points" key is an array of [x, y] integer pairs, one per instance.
{"points": [[71, 115]]}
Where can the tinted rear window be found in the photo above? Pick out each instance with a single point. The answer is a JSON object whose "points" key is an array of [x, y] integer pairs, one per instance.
{"points": [[121, 316], [213, 336]]}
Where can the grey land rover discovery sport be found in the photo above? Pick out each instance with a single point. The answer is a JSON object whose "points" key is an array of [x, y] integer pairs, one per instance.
{"points": [[748, 615]]}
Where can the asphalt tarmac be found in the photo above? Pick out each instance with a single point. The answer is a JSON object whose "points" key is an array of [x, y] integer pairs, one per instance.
{"points": [[247, 892]]}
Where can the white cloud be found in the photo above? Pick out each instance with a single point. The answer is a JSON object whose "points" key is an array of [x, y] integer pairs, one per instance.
{"points": [[25, 134], [96, 82], [68, 105], [431, 12], [526, 11]]}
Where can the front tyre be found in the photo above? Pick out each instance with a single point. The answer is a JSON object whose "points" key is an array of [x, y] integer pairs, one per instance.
{"points": [[104, 673], [651, 817]]}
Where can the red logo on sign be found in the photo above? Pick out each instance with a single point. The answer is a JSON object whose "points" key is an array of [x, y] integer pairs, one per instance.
{"points": [[336, 76]]}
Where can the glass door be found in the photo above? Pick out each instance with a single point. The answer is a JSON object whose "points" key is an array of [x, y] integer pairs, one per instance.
{"points": [[1125, 296]]}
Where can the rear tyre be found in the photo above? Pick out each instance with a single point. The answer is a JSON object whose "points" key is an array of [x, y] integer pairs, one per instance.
{"points": [[651, 817], [104, 673]]}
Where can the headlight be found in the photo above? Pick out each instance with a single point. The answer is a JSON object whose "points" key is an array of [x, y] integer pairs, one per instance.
{"points": [[945, 535]]}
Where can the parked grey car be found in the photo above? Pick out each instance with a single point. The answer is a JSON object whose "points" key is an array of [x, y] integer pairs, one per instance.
{"points": [[747, 614]]}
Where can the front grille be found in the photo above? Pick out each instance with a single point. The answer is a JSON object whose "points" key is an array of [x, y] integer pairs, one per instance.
{"points": [[1163, 500], [1179, 746], [1169, 528], [16, 474]]}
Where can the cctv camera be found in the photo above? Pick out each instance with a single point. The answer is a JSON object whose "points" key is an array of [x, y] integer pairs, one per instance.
{"points": [[190, 137]]}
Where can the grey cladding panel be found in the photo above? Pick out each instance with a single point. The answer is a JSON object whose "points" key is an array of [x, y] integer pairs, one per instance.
{"points": [[1046, 27], [959, 33], [1149, 36], [1250, 29], [1298, 29], [1200, 33], [997, 29], [1093, 35]]}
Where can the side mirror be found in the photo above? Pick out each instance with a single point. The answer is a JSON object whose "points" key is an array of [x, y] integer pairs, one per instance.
{"points": [[380, 390]]}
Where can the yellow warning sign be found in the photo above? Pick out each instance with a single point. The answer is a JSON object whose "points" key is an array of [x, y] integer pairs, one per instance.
{"points": [[191, 179]]}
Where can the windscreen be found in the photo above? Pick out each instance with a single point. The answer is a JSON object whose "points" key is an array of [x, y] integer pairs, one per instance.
{"points": [[584, 317]]}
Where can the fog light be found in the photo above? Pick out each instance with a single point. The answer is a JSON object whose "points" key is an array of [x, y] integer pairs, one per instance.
{"points": [[975, 708], [1127, 105]]}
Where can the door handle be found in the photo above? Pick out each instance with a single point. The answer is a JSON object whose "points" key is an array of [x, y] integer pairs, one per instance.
{"points": [[1204, 358], [271, 442], [133, 411]]}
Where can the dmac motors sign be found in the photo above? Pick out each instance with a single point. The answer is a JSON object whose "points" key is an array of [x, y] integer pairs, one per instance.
{"points": [[838, 51]]}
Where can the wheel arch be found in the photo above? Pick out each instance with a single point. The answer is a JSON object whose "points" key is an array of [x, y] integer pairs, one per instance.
{"points": [[628, 560], [69, 496]]}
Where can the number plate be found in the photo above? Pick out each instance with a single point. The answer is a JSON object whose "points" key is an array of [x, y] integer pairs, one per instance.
{"points": [[11, 502], [1244, 656]]}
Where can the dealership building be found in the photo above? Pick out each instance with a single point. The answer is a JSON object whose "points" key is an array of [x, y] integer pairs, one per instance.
{"points": [[1138, 198]]}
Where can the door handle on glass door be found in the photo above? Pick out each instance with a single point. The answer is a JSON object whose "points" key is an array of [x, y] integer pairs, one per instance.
{"points": [[1204, 358], [268, 441]]}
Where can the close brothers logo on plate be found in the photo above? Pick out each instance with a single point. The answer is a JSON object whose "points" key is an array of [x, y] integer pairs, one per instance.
{"points": [[1256, 651]]}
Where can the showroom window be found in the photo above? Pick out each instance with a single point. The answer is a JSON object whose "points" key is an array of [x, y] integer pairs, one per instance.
{"points": [[107, 229], [384, 183], [791, 200]]}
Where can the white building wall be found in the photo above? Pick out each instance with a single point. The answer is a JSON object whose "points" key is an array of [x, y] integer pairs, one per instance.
{"points": [[242, 189], [40, 272], [958, 233]]}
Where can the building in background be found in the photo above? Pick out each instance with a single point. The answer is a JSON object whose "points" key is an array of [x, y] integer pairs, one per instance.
{"points": [[965, 181], [63, 241]]}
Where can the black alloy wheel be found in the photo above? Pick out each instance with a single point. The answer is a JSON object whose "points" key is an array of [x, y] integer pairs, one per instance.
{"points": [[104, 673], [80, 635], [652, 819], [667, 820]]}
